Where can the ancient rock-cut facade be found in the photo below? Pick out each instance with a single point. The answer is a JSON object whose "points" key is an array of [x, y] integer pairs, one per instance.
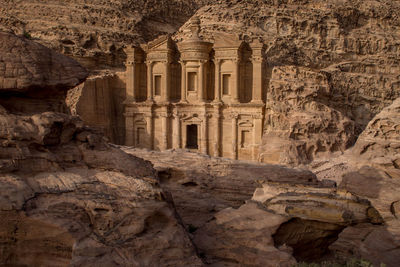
{"points": [[197, 95]]}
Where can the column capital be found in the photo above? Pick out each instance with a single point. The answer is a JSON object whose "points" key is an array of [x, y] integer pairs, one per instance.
{"points": [[236, 60], [165, 114], [149, 62], [234, 116], [131, 62], [217, 60], [182, 62], [257, 59]]}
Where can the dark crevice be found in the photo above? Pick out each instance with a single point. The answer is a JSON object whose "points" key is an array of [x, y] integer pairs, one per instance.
{"points": [[310, 240]]}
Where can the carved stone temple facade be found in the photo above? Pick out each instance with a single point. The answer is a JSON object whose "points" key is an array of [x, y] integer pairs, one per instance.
{"points": [[196, 95]]}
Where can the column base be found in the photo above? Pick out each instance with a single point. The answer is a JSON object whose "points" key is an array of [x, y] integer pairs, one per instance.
{"points": [[258, 101]]}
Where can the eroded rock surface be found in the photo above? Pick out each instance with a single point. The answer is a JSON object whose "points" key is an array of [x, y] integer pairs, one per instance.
{"points": [[101, 206], [34, 78], [331, 67], [95, 32], [67, 197], [98, 102]]}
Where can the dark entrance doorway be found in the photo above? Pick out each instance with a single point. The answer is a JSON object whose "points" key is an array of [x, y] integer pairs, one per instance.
{"points": [[191, 136]]}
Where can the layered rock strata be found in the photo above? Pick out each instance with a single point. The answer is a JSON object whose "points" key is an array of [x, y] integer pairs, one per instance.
{"points": [[67, 197], [94, 33], [98, 102], [331, 67]]}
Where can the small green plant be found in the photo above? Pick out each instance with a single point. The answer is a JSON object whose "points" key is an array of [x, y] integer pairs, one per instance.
{"points": [[27, 35]]}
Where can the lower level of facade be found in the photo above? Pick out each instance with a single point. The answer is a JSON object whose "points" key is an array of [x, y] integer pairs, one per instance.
{"points": [[232, 131]]}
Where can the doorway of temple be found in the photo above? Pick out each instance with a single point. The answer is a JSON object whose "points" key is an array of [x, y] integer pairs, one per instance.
{"points": [[192, 140]]}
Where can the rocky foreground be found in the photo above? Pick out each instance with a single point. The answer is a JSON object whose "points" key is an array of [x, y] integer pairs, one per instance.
{"points": [[247, 214], [70, 198], [67, 197]]}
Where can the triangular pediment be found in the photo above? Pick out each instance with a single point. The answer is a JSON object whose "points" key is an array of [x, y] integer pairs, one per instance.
{"points": [[163, 42]]}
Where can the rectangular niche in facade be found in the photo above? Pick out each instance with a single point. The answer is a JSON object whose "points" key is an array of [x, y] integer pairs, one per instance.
{"points": [[192, 81], [225, 83], [140, 136], [157, 85], [245, 139]]}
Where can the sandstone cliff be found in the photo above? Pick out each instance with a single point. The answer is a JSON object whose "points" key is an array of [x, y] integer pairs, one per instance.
{"points": [[331, 67], [67, 197], [94, 33]]}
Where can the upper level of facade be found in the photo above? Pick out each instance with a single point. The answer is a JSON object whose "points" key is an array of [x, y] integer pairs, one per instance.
{"points": [[194, 71]]}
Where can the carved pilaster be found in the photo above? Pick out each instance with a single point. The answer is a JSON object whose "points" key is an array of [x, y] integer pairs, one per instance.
{"points": [[234, 118], [164, 129], [150, 131], [149, 65], [217, 86], [257, 134], [201, 93], [236, 74], [183, 82]]}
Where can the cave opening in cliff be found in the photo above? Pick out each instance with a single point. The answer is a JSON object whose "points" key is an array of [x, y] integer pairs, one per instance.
{"points": [[310, 240], [191, 141]]}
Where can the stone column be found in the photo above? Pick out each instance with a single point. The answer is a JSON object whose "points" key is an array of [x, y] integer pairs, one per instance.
{"points": [[257, 135], [177, 131], [217, 131], [203, 139], [150, 132], [131, 88], [183, 82], [217, 87], [236, 76], [257, 80], [166, 92], [129, 127], [234, 135], [201, 81], [149, 80], [164, 129], [184, 135]]}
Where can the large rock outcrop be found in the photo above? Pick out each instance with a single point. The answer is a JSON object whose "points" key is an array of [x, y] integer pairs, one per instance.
{"points": [[331, 66], [34, 78], [98, 102], [67, 197], [94, 33]]}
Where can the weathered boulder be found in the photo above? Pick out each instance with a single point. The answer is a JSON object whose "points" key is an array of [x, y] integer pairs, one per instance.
{"points": [[34, 78], [25, 64], [98, 101], [300, 123], [70, 198], [379, 143]]}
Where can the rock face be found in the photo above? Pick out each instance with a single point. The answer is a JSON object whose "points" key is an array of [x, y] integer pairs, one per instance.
{"points": [[31, 73], [70, 199], [98, 101], [300, 123], [25, 64], [331, 67], [380, 141], [95, 32]]}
